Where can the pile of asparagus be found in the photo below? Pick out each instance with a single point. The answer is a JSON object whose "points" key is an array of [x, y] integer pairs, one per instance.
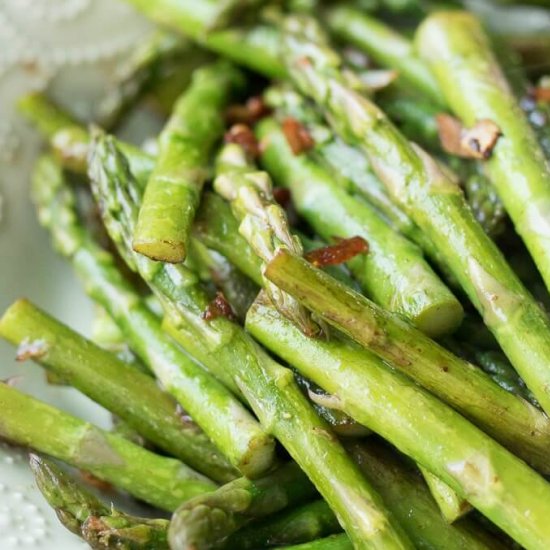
{"points": [[320, 321]]}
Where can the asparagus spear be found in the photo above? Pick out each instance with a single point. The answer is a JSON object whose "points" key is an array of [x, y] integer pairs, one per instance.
{"points": [[334, 542], [421, 516], [341, 424], [227, 423], [128, 393], [496, 482], [236, 287], [256, 48], [43, 113], [401, 488], [174, 187], [214, 226], [206, 522], [434, 202], [302, 524], [268, 387], [69, 140], [160, 481], [393, 274], [85, 515], [386, 46], [450, 504], [511, 420], [157, 59], [517, 166], [73, 504], [263, 222], [351, 169], [106, 334], [217, 228], [415, 116]]}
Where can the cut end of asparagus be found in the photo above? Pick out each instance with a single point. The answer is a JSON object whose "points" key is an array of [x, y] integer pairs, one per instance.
{"points": [[161, 251], [441, 319], [259, 458]]}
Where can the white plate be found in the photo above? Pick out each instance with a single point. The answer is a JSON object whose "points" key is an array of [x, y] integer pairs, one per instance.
{"points": [[74, 46]]}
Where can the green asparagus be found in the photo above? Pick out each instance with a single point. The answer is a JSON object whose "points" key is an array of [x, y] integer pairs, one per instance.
{"points": [[509, 419], [206, 522], [157, 59], [400, 487], [268, 387], [161, 481], [83, 514], [69, 140], [393, 274], [451, 505], [256, 48], [476, 88], [128, 393], [434, 202], [217, 228], [334, 542], [174, 187], [496, 482], [237, 288], [351, 170], [418, 512], [228, 424], [302, 524], [263, 222], [386, 46], [416, 117], [341, 424]]}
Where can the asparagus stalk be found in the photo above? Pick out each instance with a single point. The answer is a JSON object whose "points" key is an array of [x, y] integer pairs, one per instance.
{"points": [[450, 504], [268, 387], [351, 170], [341, 424], [174, 187], [256, 48], [511, 420], [334, 542], [85, 515], [106, 334], [206, 522], [44, 114], [263, 222], [69, 140], [393, 274], [302, 524], [386, 46], [517, 166], [237, 288], [421, 516], [218, 229], [432, 307], [128, 393], [72, 503], [227, 423], [496, 482], [160, 481], [159, 57], [400, 487], [435, 203], [415, 116]]}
